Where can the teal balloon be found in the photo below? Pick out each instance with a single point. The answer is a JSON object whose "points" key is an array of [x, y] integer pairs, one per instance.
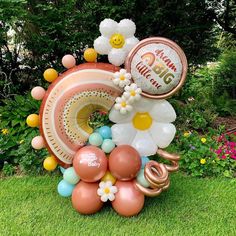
{"points": [[141, 179], [65, 189], [105, 132], [95, 139], [70, 176], [62, 169], [108, 145], [144, 160]]}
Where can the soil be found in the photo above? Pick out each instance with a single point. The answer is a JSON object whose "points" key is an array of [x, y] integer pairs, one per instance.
{"points": [[228, 122]]}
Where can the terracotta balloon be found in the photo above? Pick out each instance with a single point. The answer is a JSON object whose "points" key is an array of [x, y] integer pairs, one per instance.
{"points": [[85, 199], [90, 163], [68, 61], [129, 200], [124, 162]]}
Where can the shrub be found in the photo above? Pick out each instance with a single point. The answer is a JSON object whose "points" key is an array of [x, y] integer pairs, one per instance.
{"points": [[15, 136]]}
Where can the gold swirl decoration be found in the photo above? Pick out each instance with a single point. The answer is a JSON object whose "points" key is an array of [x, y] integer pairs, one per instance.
{"points": [[157, 174]]}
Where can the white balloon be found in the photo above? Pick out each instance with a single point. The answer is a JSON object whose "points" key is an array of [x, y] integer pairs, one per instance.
{"points": [[116, 117], [117, 56], [144, 144], [130, 43], [123, 133], [162, 134], [144, 104], [127, 28], [102, 45], [108, 27], [162, 111]]}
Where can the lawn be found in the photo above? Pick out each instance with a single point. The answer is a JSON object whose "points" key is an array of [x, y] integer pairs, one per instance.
{"points": [[31, 206]]}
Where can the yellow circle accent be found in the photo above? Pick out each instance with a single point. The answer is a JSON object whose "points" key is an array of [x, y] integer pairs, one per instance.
{"points": [[123, 104], [132, 93], [142, 120], [122, 77], [32, 120], [50, 75], [90, 55], [50, 163], [117, 40], [108, 177], [106, 190]]}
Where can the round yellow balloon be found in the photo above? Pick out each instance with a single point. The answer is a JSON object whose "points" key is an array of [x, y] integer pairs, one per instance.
{"points": [[109, 177], [32, 120], [90, 55], [50, 75], [50, 163]]}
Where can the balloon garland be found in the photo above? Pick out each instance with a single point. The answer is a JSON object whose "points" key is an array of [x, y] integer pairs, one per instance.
{"points": [[112, 163]]}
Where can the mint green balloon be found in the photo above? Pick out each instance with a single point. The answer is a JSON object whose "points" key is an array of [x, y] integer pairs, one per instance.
{"points": [[141, 179], [70, 176], [95, 139], [108, 145]]}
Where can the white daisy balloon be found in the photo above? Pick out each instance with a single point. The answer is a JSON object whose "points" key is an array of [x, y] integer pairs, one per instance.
{"points": [[122, 105], [107, 191], [116, 40], [147, 127], [132, 92], [121, 78]]}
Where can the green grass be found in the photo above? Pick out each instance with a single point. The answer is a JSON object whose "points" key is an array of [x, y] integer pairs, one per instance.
{"points": [[31, 206]]}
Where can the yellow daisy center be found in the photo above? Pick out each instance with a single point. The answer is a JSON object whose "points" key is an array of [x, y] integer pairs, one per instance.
{"points": [[117, 40], [132, 93], [123, 104], [122, 77], [106, 190], [142, 120]]}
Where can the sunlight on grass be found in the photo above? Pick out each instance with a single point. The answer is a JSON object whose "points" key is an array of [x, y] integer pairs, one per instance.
{"points": [[31, 206]]}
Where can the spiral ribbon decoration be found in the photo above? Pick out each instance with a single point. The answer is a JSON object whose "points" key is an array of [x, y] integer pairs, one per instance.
{"points": [[157, 174]]}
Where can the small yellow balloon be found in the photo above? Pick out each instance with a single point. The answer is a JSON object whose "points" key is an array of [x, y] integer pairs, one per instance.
{"points": [[90, 55], [50, 163], [109, 177], [32, 120], [50, 75]]}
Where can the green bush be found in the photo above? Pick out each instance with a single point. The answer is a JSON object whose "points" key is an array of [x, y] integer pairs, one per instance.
{"points": [[199, 154], [16, 136]]}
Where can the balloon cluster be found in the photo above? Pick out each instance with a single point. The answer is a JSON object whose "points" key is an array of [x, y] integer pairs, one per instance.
{"points": [[111, 163]]}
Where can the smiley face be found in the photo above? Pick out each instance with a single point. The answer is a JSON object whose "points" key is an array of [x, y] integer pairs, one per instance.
{"points": [[117, 40]]}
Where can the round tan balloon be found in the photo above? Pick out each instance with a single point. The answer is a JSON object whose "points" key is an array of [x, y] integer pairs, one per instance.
{"points": [[158, 66]]}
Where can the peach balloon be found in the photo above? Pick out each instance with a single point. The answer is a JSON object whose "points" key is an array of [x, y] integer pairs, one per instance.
{"points": [[129, 200], [38, 142], [85, 198], [90, 163], [68, 61], [124, 162], [38, 93]]}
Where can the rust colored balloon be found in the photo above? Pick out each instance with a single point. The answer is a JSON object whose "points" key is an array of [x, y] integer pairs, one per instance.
{"points": [[85, 199], [90, 163], [124, 162], [129, 200]]}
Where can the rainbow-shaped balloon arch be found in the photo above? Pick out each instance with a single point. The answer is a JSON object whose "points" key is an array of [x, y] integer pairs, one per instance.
{"points": [[112, 163]]}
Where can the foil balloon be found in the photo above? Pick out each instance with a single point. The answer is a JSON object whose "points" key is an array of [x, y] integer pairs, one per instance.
{"points": [[158, 66]]}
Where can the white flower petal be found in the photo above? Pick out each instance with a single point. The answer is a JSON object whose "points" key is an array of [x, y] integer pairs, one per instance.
{"points": [[100, 192], [108, 27], [130, 43], [144, 144], [129, 108], [108, 184], [126, 94], [123, 133], [128, 76], [163, 112], [123, 110], [116, 56], [144, 104], [102, 184], [114, 189], [102, 45], [116, 117], [126, 27], [122, 71], [104, 198], [162, 133], [111, 197]]}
